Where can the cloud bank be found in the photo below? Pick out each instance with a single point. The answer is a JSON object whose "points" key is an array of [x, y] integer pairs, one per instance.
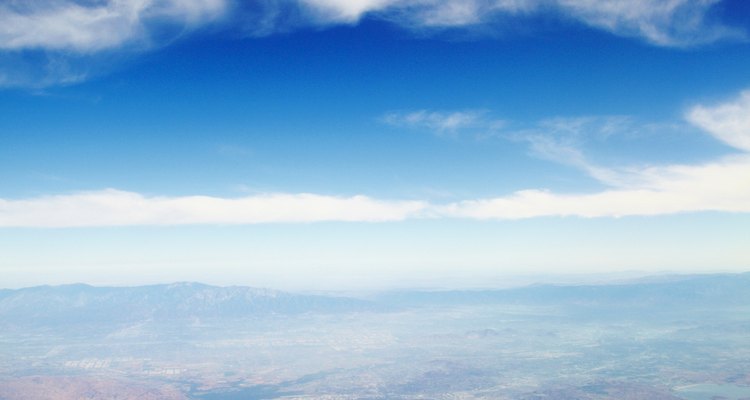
{"points": [[120, 208], [722, 185]]}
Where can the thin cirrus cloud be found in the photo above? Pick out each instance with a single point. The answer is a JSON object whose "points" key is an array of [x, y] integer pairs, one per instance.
{"points": [[561, 140], [438, 122], [69, 34], [721, 185]]}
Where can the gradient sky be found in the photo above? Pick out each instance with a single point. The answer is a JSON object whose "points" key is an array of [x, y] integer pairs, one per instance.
{"points": [[334, 144]]}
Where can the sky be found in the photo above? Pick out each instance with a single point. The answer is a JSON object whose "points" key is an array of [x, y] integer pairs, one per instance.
{"points": [[343, 144]]}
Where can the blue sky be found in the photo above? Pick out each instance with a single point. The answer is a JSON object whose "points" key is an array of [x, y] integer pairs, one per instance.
{"points": [[330, 144]]}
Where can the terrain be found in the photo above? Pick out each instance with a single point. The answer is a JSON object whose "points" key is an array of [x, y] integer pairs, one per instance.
{"points": [[667, 337]]}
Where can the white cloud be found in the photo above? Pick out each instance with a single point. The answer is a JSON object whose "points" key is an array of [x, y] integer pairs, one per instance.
{"points": [[721, 186], [660, 22], [444, 14], [729, 122], [423, 13], [85, 26], [345, 11], [94, 26], [118, 208], [67, 38]]}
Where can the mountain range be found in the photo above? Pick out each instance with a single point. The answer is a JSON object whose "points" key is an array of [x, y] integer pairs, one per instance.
{"points": [[81, 304]]}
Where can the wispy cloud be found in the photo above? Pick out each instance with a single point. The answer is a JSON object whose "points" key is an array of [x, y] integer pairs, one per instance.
{"points": [[81, 25], [567, 151], [555, 139], [438, 122], [60, 42], [561, 140], [74, 32], [94, 26], [721, 185], [660, 22]]}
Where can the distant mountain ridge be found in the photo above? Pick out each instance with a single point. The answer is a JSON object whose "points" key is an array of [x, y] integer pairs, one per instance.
{"points": [[728, 289], [81, 304]]}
